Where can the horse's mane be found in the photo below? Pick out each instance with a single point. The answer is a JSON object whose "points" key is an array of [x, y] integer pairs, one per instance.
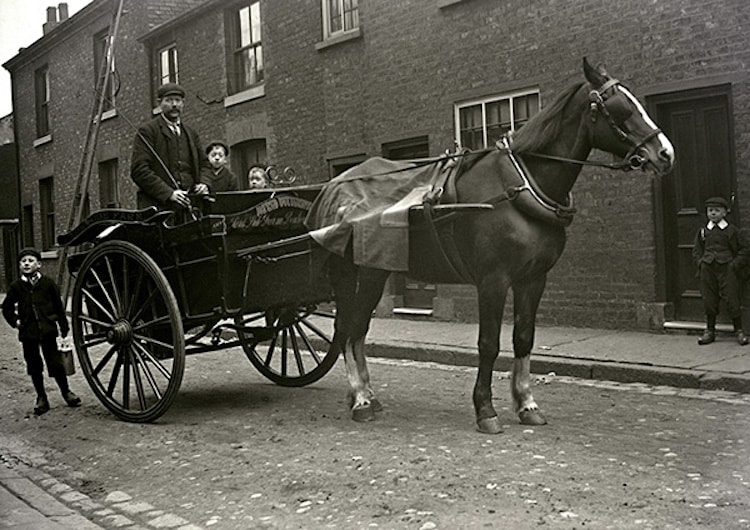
{"points": [[545, 126]]}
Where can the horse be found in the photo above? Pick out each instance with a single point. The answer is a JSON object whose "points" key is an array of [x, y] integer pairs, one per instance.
{"points": [[510, 247]]}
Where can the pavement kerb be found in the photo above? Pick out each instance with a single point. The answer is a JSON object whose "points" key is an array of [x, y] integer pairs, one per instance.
{"points": [[40, 508], [567, 366]]}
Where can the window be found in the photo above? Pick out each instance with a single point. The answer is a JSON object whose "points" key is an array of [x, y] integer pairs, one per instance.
{"points": [[336, 166], [41, 89], [481, 123], [28, 225], [168, 71], [246, 155], [340, 16], [109, 196], [47, 206], [247, 67], [102, 51]]}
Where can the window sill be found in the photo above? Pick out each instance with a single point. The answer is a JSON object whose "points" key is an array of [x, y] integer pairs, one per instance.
{"points": [[246, 95], [49, 254], [338, 39], [43, 140]]}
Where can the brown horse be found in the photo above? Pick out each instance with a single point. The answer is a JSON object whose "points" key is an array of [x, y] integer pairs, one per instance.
{"points": [[512, 245]]}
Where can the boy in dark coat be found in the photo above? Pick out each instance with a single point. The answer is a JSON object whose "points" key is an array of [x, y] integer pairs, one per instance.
{"points": [[716, 252], [40, 312], [222, 178]]}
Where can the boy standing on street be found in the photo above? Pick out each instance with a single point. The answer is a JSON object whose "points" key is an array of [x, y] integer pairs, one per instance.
{"points": [[716, 253], [40, 312]]}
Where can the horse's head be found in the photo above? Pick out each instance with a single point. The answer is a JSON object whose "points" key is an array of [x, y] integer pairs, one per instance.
{"points": [[621, 125]]}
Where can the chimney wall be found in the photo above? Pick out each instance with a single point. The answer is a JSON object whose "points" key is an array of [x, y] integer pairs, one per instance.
{"points": [[51, 20], [62, 9]]}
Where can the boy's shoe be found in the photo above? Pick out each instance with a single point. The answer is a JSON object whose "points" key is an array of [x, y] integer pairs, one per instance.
{"points": [[71, 399], [707, 338], [742, 339], [42, 406]]}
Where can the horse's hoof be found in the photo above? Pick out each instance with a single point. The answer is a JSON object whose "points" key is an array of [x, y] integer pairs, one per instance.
{"points": [[532, 417], [490, 425], [376, 405], [365, 413]]}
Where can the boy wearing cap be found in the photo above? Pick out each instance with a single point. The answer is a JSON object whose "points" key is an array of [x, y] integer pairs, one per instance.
{"points": [[716, 252], [222, 178], [168, 161], [40, 312]]}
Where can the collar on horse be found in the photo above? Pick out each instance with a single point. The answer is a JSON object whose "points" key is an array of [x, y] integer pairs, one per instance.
{"points": [[526, 194]]}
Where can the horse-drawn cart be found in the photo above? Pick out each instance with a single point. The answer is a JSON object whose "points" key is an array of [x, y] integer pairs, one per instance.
{"points": [[147, 293], [242, 270]]}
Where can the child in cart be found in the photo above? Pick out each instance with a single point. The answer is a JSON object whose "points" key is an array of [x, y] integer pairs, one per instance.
{"points": [[33, 305]]}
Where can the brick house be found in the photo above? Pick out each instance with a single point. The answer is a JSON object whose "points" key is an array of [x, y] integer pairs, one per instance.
{"points": [[319, 85]]}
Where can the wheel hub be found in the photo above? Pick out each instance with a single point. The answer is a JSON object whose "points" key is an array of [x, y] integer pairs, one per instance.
{"points": [[121, 333]]}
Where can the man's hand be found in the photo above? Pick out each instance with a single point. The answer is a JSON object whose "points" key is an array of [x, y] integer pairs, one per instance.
{"points": [[181, 198], [200, 189]]}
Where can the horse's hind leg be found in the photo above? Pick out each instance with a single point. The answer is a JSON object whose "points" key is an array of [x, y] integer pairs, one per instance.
{"points": [[491, 294], [526, 299], [357, 293]]}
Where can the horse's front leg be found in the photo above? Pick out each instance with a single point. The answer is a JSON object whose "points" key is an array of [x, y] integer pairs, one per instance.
{"points": [[369, 289], [526, 299], [491, 294]]}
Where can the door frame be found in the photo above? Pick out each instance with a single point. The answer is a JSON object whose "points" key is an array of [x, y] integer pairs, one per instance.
{"points": [[666, 236]]}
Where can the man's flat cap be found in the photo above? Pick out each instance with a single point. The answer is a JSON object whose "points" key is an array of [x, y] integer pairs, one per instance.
{"points": [[170, 89]]}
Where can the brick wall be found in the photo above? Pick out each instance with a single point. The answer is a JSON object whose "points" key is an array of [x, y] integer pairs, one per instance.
{"points": [[401, 79]]}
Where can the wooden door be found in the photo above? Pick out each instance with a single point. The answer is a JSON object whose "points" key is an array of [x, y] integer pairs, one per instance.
{"points": [[699, 124]]}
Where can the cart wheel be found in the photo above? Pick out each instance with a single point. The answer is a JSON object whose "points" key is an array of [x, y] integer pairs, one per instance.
{"points": [[128, 331], [283, 344]]}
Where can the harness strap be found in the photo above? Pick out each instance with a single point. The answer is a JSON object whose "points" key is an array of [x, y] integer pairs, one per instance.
{"points": [[452, 258]]}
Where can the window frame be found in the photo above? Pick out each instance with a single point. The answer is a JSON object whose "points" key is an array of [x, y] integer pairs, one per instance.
{"points": [[331, 33], [173, 65], [109, 189], [41, 101], [101, 52], [237, 61], [510, 97], [47, 211]]}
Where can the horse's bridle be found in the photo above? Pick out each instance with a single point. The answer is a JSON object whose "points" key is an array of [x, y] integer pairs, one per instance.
{"points": [[631, 160]]}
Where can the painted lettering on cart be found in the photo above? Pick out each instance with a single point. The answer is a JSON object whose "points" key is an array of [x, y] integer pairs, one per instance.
{"points": [[284, 210]]}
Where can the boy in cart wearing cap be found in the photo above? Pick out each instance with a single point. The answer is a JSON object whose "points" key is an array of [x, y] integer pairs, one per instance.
{"points": [[40, 311], [222, 178], [716, 252]]}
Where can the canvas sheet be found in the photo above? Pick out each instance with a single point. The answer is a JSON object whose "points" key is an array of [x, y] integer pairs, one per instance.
{"points": [[369, 204]]}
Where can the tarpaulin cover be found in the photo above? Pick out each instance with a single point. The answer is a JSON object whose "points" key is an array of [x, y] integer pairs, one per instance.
{"points": [[369, 203]]}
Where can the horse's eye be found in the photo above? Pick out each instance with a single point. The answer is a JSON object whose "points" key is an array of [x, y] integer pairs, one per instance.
{"points": [[619, 107]]}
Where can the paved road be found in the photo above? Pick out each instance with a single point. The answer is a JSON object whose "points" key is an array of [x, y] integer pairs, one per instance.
{"points": [[236, 452]]}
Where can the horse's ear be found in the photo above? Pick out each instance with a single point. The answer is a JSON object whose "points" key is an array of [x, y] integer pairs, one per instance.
{"points": [[596, 76]]}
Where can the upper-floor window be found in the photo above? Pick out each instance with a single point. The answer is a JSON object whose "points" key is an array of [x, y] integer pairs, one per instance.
{"points": [[104, 60], [28, 225], [168, 71], [481, 123], [340, 16], [109, 196], [41, 93], [248, 68], [47, 212]]}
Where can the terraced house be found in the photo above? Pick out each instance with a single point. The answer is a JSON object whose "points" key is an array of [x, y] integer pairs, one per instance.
{"points": [[320, 85]]}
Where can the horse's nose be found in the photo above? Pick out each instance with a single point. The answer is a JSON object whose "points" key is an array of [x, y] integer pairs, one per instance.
{"points": [[666, 152]]}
